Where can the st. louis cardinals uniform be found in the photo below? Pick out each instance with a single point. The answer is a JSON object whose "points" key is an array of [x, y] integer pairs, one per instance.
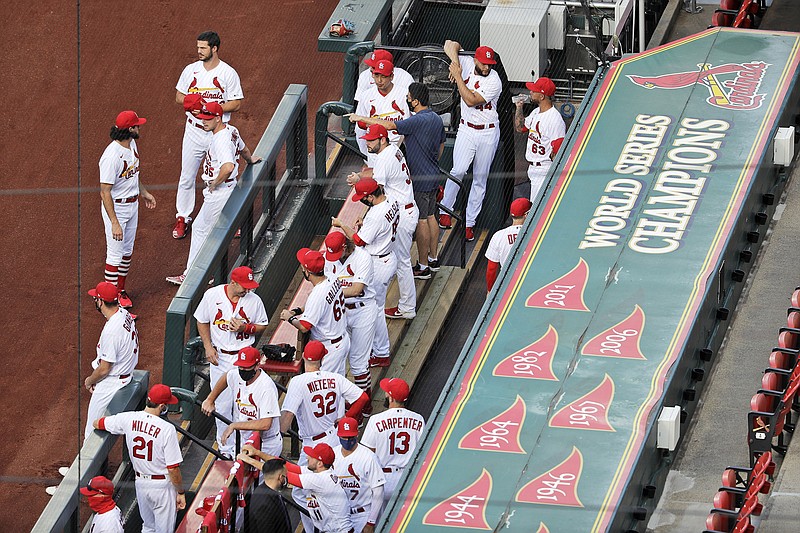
{"points": [[216, 309], [257, 401], [501, 243], [476, 140], [220, 84], [393, 434], [391, 106], [358, 474], [119, 345], [402, 79], [326, 501], [324, 316], [391, 171], [543, 130], [108, 522], [153, 447]]}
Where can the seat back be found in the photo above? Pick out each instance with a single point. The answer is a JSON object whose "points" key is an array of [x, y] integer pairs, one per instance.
{"points": [[724, 500], [719, 522]]}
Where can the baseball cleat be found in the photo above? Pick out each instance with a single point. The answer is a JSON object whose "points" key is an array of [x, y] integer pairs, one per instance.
{"points": [[421, 272], [124, 300], [379, 362], [51, 490], [62, 471], [445, 222], [238, 234], [394, 312], [469, 234], [433, 264], [181, 228], [176, 280]]}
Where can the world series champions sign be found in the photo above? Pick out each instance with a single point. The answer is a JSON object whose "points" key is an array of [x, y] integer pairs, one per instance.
{"points": [[548, 413]]}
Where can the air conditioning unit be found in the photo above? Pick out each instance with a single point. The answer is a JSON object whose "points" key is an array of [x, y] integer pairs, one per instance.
{"points": [[517, 30]]}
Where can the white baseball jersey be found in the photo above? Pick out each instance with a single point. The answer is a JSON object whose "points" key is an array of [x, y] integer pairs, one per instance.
{"points": [[326, 501], [543, 129], [119, 167], [317, 400], [357, 268], [217, 310], [501, 243], [402, 79], [358, 473], [108, 522], [489, 87], [324, 311], [118, 344], [220, 84], [391, 171], [379, 228], [256, 401], [222, 150], [238, 146], [393, 434], [152, 441], [391, 106]]}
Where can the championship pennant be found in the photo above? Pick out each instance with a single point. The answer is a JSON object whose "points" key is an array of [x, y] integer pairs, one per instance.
{"points": [[557, 486], [500, 434], [542, 528], [466, 509], [590, 411], [535, 361], [565, 293], [621, 340]]}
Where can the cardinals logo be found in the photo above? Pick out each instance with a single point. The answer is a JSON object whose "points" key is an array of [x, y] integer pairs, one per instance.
{"points": [[218, 85], [372, 111], [397, 108], [193, 85], [247, 408], [478, 84], [730, 86]]}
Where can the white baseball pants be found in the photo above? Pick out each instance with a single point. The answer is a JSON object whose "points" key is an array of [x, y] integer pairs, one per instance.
{"points": [[195, 144], [384, 269], [128, 217], [359, 520], [157, 505], [334, 360], [361, 327], [537, 175], [475, 147], [392, 479], [300, 496], [104, 391], [409, 217], [213, 202], [224, 402]]}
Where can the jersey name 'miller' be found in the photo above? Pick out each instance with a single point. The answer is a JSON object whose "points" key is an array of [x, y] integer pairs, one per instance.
{"points": [[399, 422], [144, 427], [319, 384], [335, 288]]}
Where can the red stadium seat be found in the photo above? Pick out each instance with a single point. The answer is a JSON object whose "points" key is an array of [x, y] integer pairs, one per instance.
{"points": [[773, 381], [793, 317], [724, 500], [796, 297], [783, 359], [721, 19], [789, 338], [730, 5]]}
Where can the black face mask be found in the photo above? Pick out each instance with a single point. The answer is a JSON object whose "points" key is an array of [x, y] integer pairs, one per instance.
{"points": [[247, 375], [305, 275], [366, 202], [386, 403], [410, 105]]}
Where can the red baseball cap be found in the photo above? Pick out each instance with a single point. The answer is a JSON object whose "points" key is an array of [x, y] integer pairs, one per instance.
{"points": [[376, 131], [396, 388], [378, 55], [334, 245], [542, 85], [193, 102], [161, 394], [520, 206], [243, 275], [311, 259], [128, 119], [384, 67], [108, 292], [210, 110], [322, 452], [348, 427], [98, 485], [365, 187], [314, 351], [247, 357], [485, 55]]}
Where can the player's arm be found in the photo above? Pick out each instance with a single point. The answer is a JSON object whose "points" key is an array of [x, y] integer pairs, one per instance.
{"points": [[248, 157], [204, 330], [388, 124], [469, 97], [232, 106], [375, 510], [102, 370], [208, 406], [260, 424], [354, 291], [225, 172], [492, 270], [287, 417], [177, 480], [358, 405], [179, 96], [108, 205], [149, 199], [555, 146], [293, 319], [519, 119]]}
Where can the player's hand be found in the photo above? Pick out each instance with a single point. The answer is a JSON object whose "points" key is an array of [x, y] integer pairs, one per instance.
{"points": [[226, 434], [335, 222], [149, 200], [255, 160], [286, 314], [237, 324], [249, 450], [354, 118], [455, 71], [89, 386], [368, 528], [359, 224], [208, 407], [195, 112], [212, 356], [180, 501], [353, 178], [116, 231]]}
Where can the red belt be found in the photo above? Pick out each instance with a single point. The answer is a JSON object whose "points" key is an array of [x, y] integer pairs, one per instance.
{"points": [[155, 476], [358, 510], [321, 435], [478, 126], [389, 470], [409, 206], [229, 180], [537, 164], [124, 376], [228, 352], [195, 124], [381, 256], [355, 305], [337, 339], [128, 200]]}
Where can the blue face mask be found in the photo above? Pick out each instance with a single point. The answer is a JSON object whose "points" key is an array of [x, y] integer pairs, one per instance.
{"points": [[349, 443]]}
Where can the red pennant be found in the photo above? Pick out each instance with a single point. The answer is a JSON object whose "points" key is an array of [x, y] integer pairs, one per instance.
{"points": [[565, 293], [500, 434], [466, 509], [590, 411], [621, 340], [557, 486], [542, 528], [535, 361]]}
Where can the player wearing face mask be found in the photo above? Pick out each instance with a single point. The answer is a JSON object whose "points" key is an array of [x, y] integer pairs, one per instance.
{"points": [[255, 402]]}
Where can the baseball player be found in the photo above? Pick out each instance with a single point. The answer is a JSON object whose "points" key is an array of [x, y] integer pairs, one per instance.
{"points": [[504, 239], [156, 458], [391, 172], [352, 266], [324, 312], [479, 87], [99, 494], [214, 81], [255, 404], [220, 169], [117, 352], [120, 190], [317, 399], [393, 434], [360, 475], [377, 235], [384, 100], [545, 128], [401, 77], [229, 317]]}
